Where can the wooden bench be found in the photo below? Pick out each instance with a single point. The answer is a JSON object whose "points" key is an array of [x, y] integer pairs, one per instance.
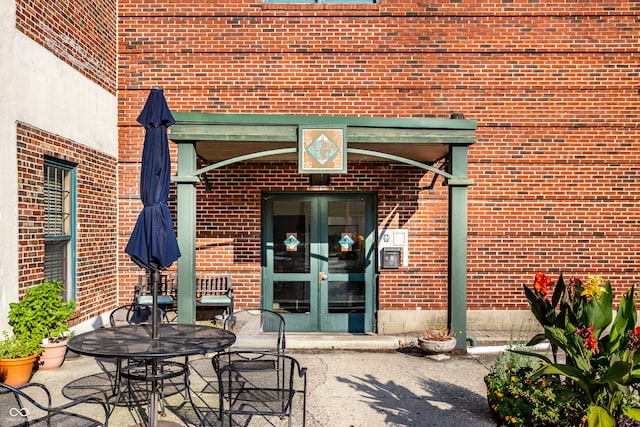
{"points": [[212, 290]]}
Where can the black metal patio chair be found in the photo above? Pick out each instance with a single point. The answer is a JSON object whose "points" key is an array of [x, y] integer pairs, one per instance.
{"points": [[257, 383], [143, 370], [131, 314], [265, 328], [30, 405], [256, 329]]}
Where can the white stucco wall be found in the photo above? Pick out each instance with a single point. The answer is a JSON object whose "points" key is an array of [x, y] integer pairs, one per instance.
{"points": [[40, 90]]}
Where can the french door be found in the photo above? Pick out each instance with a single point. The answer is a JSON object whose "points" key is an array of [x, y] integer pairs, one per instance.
{"points": [[319, 260]]}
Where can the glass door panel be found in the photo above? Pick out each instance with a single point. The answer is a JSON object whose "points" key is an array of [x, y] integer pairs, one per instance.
{"points": [[291, 222], [346, 297], [288, 285], [291, 297], [346, 228], [344, 291], [317, 271]]}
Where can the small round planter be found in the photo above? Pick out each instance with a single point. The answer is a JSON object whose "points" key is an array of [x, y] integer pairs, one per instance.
{"points": [[437, 347], [52, 356], [18, 371]]}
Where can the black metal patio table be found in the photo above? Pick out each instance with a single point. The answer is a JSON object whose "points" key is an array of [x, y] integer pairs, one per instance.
{"points": [[136, 342]]}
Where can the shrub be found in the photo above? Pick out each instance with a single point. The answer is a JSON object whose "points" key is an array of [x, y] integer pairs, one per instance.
{"points": [[516, 401], [41, 313], [601, 359]]}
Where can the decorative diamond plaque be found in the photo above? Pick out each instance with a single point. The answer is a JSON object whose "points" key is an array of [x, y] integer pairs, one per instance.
{"points": [[322, 150], [291, 242], [346, 242]]}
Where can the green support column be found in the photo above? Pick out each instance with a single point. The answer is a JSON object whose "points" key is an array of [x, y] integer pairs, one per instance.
{"points": [[186, 231], [457, 304]]}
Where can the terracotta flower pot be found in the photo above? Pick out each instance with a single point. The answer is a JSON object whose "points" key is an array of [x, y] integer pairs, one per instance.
{"points": [[17, 371], [53, 355], [437, 347]]}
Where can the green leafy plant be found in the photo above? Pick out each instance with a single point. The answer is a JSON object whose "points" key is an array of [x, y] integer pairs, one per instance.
{"points": [[41, 313], [14, 347], [516, 401], [601, 362]]}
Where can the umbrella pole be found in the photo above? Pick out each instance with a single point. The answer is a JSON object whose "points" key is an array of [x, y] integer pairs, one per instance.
{"points": [[156, 277]]}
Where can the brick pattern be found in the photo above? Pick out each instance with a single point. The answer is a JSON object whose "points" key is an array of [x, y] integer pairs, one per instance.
{"points": [[96, 281], [80, 33], [553, 86]]}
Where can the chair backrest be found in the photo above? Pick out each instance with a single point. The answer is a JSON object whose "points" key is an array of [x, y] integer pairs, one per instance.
{"points": [[266, 327], [167, 285], [258, 382], [14, 411], [31, 404], [135, 314]]}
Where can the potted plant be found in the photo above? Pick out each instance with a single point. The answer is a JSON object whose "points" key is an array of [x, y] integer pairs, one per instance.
{"points": [[42, 315], [437, 341], [17, 359]]}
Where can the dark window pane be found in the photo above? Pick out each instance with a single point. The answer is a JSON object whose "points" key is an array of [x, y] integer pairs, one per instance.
{"points": [[346, 297], [290, 235], [346, 240], [291, 297], [55, 260]]}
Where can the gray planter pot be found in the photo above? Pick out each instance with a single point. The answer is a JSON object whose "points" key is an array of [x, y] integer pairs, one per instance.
{"points": [[437, 347]]}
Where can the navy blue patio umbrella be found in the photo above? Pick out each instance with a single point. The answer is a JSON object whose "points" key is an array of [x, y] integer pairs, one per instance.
{"points": [[153, 244]]}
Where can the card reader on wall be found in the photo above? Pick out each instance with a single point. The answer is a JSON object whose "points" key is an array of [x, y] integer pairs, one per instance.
{"points": [[391, 257]]}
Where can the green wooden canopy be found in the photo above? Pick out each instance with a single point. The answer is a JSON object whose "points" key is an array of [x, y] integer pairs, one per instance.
{"points": [[218, 140]]}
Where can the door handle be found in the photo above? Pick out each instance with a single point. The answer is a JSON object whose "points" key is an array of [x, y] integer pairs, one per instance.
{"points": [[322, 276]]}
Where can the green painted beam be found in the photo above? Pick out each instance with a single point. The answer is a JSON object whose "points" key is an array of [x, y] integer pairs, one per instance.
{"points": [[457, 297], [267, 133], [283, 119], [401, 160], [409, 136], [284, 128], [186, 234], [243, 158], [222, 132]]}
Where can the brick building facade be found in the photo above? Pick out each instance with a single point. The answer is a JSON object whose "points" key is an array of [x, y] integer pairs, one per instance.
{"points": [[58, 114], [553, 87]]}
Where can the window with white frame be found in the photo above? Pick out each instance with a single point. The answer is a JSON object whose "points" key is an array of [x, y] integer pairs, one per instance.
{"points": [[59, 223]]}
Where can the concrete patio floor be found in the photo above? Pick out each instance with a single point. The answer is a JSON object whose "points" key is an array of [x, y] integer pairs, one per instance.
{"points": [[358, 387]]}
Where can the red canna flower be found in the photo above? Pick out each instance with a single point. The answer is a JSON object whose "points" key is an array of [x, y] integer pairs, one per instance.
{"points": [[634, 339], [542, 283], [590, 342]]}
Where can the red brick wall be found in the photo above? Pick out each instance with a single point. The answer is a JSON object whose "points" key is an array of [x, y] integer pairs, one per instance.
{"points": [[96, 211], [553, 86], [80, 33]]}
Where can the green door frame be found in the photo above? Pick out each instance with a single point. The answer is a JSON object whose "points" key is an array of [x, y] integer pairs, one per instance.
{"points": [[457, 134], [318, 233]]}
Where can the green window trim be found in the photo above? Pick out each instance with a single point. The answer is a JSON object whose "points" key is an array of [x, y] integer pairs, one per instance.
{"points": [[60, 196]]}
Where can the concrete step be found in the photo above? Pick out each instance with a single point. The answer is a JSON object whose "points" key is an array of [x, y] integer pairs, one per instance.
{"points": [[321, 341]]}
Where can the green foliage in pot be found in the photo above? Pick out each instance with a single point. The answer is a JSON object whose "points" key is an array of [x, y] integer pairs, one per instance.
{"points": [[13, 347], [41, 313]]}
